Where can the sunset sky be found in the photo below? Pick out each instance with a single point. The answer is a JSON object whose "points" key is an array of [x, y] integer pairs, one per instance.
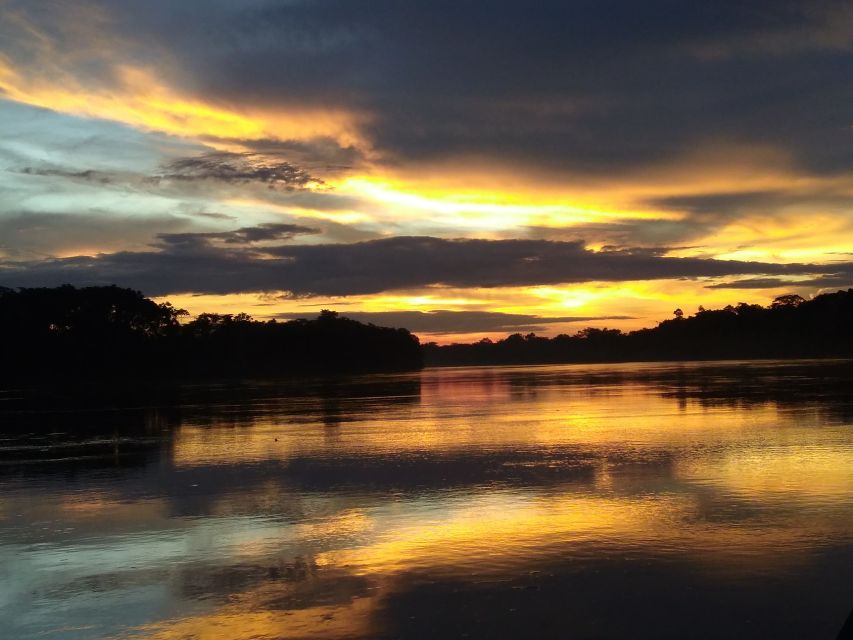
{"points": [[463, 169]]}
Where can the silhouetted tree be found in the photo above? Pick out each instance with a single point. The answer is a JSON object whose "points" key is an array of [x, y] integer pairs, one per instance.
{"points": [[789, 327], [788, 300], [108, 331]]}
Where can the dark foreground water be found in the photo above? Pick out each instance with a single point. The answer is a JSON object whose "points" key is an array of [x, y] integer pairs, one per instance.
{"points": [[607, 501]]}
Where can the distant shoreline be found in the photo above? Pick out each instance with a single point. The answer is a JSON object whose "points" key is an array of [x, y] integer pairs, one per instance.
{"points": [[110, 333], [733, 361], [789, 328]]}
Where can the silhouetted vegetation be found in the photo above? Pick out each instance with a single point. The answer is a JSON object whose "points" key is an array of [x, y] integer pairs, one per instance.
{"points": [[106, 332], [109, 331], [790, 327]]}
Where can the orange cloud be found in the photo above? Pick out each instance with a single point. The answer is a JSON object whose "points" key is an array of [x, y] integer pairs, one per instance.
{"points": [[140, 99], [52, 69]]}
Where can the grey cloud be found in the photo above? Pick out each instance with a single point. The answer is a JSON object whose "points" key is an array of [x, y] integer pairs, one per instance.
{"points": [[630, 233], [30, 235], [89, 175], [278, 183], [239, 168], [441, 321], [377, 265], [244, 235], [585, 86]]}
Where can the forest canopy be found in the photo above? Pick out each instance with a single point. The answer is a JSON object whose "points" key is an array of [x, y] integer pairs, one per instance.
{"points": [[111, 331], [790, 327], [108, 331]]}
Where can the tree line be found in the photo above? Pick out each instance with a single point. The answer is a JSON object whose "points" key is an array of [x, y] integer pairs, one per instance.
{"points": [[790, 327], [106, 332], [52, 333]]}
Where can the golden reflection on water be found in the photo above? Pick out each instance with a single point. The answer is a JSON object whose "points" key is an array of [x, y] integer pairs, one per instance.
{"points": [[250, 616], [636, 417], [725, 461], [505, 529], [806, 473], [486, 474], [506, 534]]}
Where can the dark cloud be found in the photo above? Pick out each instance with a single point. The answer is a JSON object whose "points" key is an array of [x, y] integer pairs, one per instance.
{"points": [[245, 235], [440, 321], [239, 168], [584, 85], [581, 85], [375, 266], [89, 175], [216, 174], [216, 166]]}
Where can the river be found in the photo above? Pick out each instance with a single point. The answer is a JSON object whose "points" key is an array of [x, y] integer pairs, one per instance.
{"points": [[654, 500]]}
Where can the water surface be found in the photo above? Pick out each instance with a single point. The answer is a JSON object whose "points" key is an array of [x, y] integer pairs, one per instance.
{"points": [[597, 501]]}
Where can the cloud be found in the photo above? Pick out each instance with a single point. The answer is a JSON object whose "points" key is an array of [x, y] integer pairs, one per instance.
{"points": [[43, 139], [841, 280], [89, 175], [441, 321], [239, 168], [321, 154], [753, 283], [615, 106], [212, 215], [245, 235], [214, 166], [593, 87], [36, 235], [375, 266]]}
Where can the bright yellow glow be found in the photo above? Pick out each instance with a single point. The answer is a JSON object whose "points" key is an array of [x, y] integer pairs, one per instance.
{"points": [[643, 302], [487, 210], [423, 302], [569, 298]]}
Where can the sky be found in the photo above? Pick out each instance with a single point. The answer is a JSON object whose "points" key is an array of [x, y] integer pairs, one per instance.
{"points": [[463, 169]]}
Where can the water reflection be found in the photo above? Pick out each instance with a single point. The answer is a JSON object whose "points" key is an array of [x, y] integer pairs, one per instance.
{"points": [[647, 500]]}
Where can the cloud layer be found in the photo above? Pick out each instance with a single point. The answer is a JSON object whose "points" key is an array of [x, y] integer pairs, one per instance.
{"points": [[220, 148], [191, 263], [593, 86], [443, 322]]}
